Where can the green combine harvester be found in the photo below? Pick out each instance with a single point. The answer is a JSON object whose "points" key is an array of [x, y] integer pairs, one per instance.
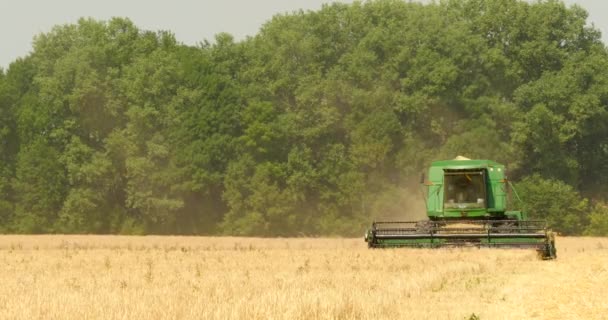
{"points": [[466, 203]]}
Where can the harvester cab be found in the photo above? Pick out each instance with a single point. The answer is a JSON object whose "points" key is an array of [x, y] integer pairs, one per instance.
{"points": [[467, 205]]}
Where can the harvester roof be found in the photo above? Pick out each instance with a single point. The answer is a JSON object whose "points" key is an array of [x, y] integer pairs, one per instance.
{"points": [[465, 163]]}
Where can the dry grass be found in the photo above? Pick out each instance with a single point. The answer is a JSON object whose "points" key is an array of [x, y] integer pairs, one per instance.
{"points": [[110, 277]]}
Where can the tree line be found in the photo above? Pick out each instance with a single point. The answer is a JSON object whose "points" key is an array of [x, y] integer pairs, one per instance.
{"points": [[318, 124]]}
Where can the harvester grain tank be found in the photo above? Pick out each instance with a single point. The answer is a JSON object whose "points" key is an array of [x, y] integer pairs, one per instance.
{"points": [[467, 205]]}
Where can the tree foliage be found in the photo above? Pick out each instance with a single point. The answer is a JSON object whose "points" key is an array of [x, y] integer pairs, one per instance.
{"points": [[315, 125]]}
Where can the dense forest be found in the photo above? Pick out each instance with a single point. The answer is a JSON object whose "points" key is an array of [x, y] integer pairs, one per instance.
{"points": [[318, 124]]}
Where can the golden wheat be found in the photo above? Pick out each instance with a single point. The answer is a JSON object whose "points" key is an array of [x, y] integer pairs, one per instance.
{"points": [[116, 277]]}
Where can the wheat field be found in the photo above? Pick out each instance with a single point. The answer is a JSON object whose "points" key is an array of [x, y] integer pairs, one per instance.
{"points": [[154, 277]]}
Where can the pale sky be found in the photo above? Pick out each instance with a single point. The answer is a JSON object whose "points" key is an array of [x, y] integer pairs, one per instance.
{"points": [[191, 21]]}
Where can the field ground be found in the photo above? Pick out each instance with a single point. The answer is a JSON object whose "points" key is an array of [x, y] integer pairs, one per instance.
{"points": [[120, 277]]}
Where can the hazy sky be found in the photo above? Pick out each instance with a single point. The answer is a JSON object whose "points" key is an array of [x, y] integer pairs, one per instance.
{"points": [[190, 20]]}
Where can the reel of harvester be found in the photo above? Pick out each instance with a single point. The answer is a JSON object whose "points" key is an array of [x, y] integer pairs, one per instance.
{"points": [[470, 233]]}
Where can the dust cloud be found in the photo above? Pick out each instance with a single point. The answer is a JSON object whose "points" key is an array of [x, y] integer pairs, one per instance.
{"points": [[401, 204]]}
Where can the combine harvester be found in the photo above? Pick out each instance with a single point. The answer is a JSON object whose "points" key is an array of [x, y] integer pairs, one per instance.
{"points": [[466, 203]]}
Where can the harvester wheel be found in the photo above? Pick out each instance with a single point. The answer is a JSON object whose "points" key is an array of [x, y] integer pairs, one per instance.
{"points": [[549, 252]]}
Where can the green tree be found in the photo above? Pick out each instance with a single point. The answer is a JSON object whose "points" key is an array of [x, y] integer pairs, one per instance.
{"points": [[315, 125], [40, 187], [555, 201], [598, 221]]}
